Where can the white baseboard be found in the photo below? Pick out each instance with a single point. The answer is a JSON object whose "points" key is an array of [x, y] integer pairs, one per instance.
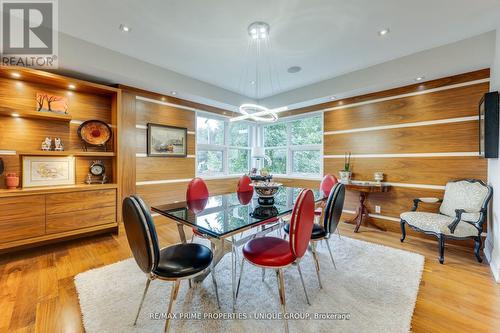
{"points": [[493, 258]]}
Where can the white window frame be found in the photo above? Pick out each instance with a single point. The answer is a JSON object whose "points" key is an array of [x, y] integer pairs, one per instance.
{"points": [[225, 147], [291, 148]]}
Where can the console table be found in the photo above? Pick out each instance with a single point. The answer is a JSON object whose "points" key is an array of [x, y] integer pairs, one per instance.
{"points": [[364, 190]]}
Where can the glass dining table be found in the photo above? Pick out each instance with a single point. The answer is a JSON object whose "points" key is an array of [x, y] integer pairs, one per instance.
{"points": [[230, 220]]}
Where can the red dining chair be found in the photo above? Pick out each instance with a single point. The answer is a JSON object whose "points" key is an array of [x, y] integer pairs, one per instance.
{"points": [[276, 253], [244, 184], [326, 186], [197, 191]]}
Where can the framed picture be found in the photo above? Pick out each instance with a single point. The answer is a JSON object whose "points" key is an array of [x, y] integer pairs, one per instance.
{"points": [[48, 171], [46, 102], [167, 140]]}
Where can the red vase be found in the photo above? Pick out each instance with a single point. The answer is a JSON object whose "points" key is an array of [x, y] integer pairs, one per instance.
{"points": [[11, 181]]}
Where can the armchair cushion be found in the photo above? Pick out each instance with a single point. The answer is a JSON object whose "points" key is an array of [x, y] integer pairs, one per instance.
{"points": [[438, 223], [469, 196]]}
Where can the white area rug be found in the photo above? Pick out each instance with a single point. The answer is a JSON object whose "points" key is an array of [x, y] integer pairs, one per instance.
{"points": [[375, 285]]}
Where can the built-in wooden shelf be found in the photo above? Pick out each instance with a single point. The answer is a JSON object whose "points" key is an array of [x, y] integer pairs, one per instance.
{"points": [[36, 115], [5, 193], [67, 153]]}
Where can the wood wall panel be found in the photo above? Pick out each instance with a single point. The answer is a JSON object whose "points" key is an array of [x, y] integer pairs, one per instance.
{"points": [[304, 183], [148, 112], [425, 170], [442, 82], [453, 103], [451, 137], [164, 168], [126, 146]]}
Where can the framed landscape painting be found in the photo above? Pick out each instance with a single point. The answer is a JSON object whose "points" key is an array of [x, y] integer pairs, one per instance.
{"points": [[48, 171], [167, 141]]}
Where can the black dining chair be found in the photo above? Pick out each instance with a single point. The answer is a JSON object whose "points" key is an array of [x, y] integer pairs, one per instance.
{"points": [[331, 218], [174, 263]]}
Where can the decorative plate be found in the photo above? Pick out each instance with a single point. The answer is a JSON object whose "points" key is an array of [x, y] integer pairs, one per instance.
{"points": [[94, 132]]}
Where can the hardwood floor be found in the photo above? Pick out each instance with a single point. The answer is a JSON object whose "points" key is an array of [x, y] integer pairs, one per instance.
{"points": [[37, 293]]}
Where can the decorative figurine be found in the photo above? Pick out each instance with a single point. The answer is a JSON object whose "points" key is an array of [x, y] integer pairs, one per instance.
{"points": [[378, 176], [12, 180], [58, 146], [97, 173], [47, 144]]}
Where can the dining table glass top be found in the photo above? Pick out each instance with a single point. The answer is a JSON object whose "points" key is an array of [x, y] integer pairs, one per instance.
{"points": [[227, 214]]}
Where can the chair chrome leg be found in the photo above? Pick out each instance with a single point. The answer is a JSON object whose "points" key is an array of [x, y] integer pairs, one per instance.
{"points": [[142, 300], [263, 274], [233, 272], [303, 284], [192, 238], [173, 297], [331, 255], [316, 262], [281, 287], [338, 232], [214, 281], [241, 274]]}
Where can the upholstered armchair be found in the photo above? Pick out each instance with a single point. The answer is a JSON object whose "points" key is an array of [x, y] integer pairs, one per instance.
{"points": [[461, 215]]}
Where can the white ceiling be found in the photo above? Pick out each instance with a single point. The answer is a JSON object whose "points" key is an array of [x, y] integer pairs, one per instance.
{"points": [[207, 40]]}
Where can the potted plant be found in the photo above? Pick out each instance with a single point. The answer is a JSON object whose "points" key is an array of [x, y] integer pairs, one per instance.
{"points": [[345, 175], [11, 181]]}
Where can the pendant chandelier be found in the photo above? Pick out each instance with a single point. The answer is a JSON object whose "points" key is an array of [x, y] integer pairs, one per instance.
{"points": [[259, 73]]}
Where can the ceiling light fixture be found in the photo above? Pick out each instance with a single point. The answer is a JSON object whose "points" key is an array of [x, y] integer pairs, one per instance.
{"points": [[71, 86], [258, 48], [258, 30], [420, 78], [173, 93], [333, 98], [16, 115], [16, 75], [124, 28], [384, 32]]}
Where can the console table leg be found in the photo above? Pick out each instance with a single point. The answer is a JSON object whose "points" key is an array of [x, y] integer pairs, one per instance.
{"points": [[361, 211]]}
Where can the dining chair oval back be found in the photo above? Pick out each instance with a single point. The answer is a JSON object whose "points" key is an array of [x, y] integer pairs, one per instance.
{"points": [[244, 184], [301, 224], [334, 207], [327, 184], [197, 189], [141, 234]]}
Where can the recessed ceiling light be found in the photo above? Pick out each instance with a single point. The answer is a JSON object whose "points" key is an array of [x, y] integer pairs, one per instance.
{"points": [[16, 75], [174, 93], [333, 98], [420, 78], [252, 82], [71, 86], [163, 98], [124, 28], [384, 32], [15, 115], [294, 69]]}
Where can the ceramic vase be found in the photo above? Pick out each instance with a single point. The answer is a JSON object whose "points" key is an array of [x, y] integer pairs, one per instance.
{"points": [[11, 181]]}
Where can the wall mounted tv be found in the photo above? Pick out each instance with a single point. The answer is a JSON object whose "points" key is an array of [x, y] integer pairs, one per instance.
{"points": [[488, 125]]}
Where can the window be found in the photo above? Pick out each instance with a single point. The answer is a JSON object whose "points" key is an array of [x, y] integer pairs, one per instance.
{"points": [[222, 148], [295, 146]]}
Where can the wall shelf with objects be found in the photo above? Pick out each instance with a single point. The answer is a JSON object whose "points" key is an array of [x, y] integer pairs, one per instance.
{"points": [[67, 153], [35, 115], [52, 200]]}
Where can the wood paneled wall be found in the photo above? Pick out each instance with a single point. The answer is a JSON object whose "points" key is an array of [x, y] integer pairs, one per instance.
{"points": [[160, 180], [411, 128]]}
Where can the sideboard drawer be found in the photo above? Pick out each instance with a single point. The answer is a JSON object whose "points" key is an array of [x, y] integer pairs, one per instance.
{"points": [[81, 219], [21, 207], [21, 228], [77, 201]]}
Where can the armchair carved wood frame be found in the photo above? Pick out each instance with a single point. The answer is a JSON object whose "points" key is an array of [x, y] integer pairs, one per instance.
{"points": [[461, 215]]}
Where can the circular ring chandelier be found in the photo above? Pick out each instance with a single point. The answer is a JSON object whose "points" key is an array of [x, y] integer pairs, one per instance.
{"points": [[248, 109]]}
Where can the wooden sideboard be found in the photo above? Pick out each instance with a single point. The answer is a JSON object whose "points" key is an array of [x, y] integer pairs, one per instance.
{"points": [[37, 216]]}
